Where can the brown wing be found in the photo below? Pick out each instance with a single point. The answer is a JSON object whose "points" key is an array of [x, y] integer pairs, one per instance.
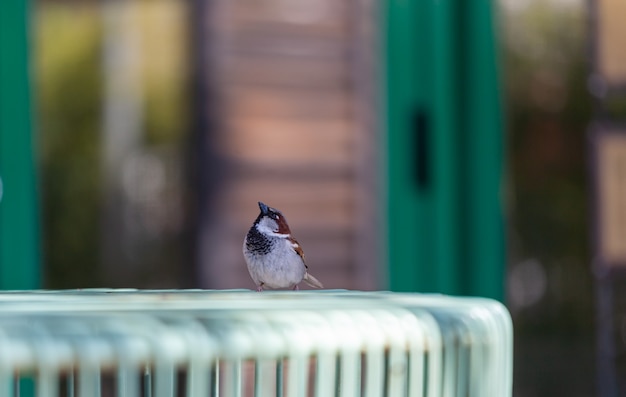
{"points": [[296, 247], [310, 280]]}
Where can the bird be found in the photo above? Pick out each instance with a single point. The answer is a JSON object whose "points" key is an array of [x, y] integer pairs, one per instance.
{"points": [[274, 257]]}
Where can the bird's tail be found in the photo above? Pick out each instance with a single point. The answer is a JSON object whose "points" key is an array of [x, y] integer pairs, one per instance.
{"points": [[312, 281]]}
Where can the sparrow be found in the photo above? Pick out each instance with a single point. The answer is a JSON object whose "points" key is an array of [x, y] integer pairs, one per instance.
{"points": [[274, 257]]}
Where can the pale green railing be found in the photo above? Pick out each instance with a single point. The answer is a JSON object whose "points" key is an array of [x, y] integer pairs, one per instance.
{"points": [[242, 343]]}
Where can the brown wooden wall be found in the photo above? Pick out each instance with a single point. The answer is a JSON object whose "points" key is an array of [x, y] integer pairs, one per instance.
{"points": [[292, 93]]}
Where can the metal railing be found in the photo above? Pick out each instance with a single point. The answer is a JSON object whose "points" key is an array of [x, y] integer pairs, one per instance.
{"points": [[240, 343]]}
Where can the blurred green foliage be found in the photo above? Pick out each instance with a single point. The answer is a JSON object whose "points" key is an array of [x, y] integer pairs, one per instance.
{"points": [[546, 66], [165, 70], [549, 110], [70, 88], [67, 66]]}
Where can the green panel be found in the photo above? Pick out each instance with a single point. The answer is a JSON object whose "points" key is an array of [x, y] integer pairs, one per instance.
{"points": [[424, 241], [446, 151], [483, 120], [445, 233], [19, 244], [405, 241]]}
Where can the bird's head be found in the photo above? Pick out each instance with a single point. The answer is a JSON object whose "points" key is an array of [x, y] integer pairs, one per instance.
{"points": [[271, 222]]}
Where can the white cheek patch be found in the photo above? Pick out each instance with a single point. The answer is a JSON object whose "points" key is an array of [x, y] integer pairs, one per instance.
{"points": [[268, 227], [281, 235]]}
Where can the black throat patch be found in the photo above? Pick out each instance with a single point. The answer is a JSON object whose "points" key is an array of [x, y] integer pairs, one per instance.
{"points": [[258, 243]]}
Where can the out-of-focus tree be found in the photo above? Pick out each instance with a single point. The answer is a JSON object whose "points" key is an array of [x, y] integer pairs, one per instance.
{"points": [[545, 60], [69, 88], [68, 93], [549, 110]]}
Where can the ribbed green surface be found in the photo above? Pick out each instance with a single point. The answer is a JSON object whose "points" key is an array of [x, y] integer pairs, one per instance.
{"points": [[19, 242]]}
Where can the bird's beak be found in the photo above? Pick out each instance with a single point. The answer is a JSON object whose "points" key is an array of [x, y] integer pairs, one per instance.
{"points": [[264, 208]]}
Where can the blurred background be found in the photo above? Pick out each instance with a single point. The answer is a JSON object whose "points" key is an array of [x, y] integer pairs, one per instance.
{"points": [[413, 146]]}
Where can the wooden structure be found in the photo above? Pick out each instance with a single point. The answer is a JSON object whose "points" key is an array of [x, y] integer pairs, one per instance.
{"points": [[288, 126]]}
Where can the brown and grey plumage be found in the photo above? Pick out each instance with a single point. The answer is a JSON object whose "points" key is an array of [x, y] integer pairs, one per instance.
{"points": [[274, 257]]}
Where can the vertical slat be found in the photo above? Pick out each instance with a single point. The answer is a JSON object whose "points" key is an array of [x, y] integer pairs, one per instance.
{"points": [[216, 378], [232, 376], [463, 369], [199, 379], [265, 376], [297, 376], [501, 317], [70, 383], [89, 379], [88, 348], [449, 363], [498, 329], [199, 373], [350, 374], [373, 356], [396, 344], [6, 382], [326, 374], [374, 376], [47, 382], [147, 382], [417, 358], [434, 363], [477, 366], [397, 369], [127, 380], [165, 378], [7, 386], [280, 377]]}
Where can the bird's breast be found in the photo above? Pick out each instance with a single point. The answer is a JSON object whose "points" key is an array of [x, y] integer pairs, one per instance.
{"points": [[274, 262]]}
